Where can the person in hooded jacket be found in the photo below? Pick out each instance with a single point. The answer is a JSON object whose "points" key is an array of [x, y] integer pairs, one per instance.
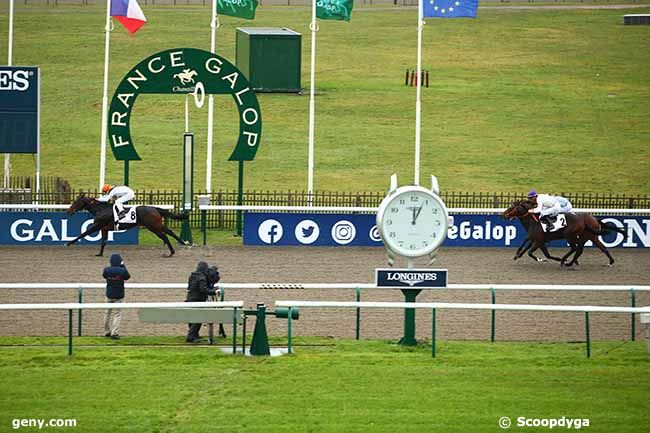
{"points": [[115, 274], [198, 290]]}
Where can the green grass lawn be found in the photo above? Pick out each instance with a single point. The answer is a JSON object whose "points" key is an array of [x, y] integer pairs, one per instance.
{"points": [[555, 99], [326, 386]]}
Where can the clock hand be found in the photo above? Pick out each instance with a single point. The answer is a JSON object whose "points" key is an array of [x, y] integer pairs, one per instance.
{"points": [[417, 213]]}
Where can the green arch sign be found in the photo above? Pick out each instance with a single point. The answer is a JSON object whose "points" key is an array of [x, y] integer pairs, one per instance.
{"points": [[179, 71]]}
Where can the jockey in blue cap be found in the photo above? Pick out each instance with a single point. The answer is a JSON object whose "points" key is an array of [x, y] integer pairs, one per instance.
{"points": [[548, 206]]}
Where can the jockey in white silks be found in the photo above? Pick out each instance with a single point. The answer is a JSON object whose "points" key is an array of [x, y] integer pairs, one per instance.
{"points": [[121, 194], [549, 206]]}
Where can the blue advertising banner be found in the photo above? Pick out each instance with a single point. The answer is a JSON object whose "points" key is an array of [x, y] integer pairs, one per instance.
{"points": [[49, 228], [19, 102], [468, 230]]}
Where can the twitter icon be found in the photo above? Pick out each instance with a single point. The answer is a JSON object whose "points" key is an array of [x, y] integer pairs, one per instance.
{"points": [[307, 232]]}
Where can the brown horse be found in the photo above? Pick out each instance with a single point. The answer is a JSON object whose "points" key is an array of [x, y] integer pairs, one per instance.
{"points": [[580, 229], [146, 216]]}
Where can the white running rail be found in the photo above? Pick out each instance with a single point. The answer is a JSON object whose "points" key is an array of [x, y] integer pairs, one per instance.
{"points": [[256, 208], [363, 286]]}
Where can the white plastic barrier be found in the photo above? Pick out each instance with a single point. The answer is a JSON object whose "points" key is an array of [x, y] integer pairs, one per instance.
{"points": [[125, 306], [433, 306]]}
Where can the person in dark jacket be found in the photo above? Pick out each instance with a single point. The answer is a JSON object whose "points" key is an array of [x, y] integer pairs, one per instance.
{"points": [[116, 274], [198, 290]]}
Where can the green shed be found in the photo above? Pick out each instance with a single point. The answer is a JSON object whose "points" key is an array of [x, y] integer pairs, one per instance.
{"points": [[269, 57]]}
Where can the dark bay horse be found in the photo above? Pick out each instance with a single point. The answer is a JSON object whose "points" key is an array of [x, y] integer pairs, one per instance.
{"points": [[580, 229], [146, 216]]}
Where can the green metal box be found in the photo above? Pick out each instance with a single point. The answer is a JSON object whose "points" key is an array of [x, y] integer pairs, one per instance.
{"points": [[269, 57]]}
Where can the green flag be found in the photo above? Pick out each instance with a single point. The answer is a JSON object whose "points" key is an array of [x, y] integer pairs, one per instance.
{"points": [[237, 8], [334, 9]]}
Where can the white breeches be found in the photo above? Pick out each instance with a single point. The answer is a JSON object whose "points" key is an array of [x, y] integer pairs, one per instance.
{"points": [[551, 211], [123, 199]]}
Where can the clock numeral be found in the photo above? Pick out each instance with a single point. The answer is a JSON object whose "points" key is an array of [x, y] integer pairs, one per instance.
{"points": [[415, 198], [434, 235], [394, 210], [412, 247], [402, 201], [392, 234], [425, 243], [389, 222], [435, 210]]}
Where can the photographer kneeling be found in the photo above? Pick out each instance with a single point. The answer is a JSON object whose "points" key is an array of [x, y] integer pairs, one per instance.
{"points": [[199, 287]]}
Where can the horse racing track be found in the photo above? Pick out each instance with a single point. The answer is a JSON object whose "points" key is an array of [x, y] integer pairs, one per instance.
{"points": [[333, 265], [329, 384]]}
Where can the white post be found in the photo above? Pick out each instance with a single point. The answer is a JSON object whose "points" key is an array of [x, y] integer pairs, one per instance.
{"points": [[102, 162], [9, 60], [187, 113], [418, 101], [214, 24], [310, 164]]}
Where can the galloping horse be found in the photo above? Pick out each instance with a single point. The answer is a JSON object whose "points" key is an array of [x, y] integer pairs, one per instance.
{"points": [[146, 216], [580, 228]]}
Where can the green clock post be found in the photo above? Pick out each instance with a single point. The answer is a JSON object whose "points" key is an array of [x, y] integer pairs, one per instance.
{"points": [[413, 222]]}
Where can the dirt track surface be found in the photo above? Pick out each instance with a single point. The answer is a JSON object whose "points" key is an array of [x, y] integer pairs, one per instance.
{"points": [[332, 265]]}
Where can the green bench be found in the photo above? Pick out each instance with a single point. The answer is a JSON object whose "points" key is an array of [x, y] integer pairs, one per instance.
{"points": [[210, 316]]}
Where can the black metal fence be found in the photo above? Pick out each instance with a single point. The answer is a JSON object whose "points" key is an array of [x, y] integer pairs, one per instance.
{"points": [[228, 219]]}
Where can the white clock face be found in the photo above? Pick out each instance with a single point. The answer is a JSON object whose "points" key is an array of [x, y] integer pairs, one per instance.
{"points": [[412, 221]]}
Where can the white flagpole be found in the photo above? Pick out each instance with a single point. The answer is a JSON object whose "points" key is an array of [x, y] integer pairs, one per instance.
{"points": [[102, 162], [310, 170], [418, 101], [9, 60], [214, 24]]}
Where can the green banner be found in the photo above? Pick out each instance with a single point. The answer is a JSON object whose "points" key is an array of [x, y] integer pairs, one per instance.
{"points": [[180, 71], [237, 8], [340, 10]]}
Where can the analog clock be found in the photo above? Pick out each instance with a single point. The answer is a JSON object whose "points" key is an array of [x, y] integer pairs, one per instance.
{"points": [[412, 221]]}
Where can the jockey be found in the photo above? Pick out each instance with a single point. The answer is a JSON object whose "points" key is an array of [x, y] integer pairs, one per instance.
{"points": [[121, 194], [548, 206]]}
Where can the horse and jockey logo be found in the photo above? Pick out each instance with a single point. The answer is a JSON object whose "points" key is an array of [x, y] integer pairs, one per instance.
{"points": [[186, 76], [129, 216], [557, 224]]}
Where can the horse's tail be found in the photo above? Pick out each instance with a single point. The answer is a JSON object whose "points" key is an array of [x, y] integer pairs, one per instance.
{"points": [[177, 216], [605, 228]]}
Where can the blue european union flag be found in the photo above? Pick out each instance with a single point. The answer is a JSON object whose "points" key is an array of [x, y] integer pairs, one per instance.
{"points": [[449, 8]]}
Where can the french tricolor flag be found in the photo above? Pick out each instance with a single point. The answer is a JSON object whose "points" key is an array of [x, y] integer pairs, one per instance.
{"points": [[128, 12]]}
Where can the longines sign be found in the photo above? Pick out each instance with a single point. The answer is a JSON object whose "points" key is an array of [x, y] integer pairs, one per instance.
{"points": [[19, 109], [180, 71], [411, 278]]}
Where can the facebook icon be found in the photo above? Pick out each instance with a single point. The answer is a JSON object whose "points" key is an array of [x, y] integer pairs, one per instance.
{"points": [[270, 231]]}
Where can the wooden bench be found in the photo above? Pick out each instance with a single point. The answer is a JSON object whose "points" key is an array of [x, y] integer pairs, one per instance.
{"points": [[210, 316]]}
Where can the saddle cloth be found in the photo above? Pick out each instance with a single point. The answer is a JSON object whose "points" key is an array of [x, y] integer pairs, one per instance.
{"points": [[128, 218], [558, 224]]}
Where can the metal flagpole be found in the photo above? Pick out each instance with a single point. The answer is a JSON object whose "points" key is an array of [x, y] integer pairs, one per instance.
{"points": [[310, 170], [9, 59], [214, 25], [38, 139], [418, 101], [102, 162]]}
